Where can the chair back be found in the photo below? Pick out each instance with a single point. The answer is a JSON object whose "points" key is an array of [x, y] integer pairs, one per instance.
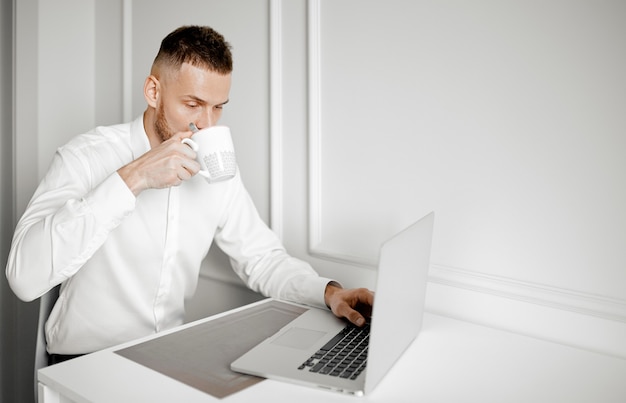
{"points": [[46, 303]]}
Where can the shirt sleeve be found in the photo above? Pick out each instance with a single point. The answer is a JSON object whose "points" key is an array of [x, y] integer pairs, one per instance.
{"points": [[65, 223], [259, 258]]}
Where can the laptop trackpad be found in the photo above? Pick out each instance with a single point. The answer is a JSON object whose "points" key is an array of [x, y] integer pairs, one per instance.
{"points": [[299, 338]]}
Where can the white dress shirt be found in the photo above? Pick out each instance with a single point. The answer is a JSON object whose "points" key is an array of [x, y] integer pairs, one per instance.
{"points": [[128, 264]]}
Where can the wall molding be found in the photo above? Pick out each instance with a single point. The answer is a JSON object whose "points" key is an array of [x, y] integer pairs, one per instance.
{"points": [[582, 320], [315, 246], [25, 108], [314, 135], [539, 294], [276, 118], [127, 60]]}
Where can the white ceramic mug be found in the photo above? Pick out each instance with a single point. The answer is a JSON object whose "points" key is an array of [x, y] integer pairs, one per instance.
{"points": [[216, 153]]}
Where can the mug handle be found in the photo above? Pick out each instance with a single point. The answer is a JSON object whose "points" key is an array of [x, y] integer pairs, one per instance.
{"points": [[194, 146], [190, 143]]}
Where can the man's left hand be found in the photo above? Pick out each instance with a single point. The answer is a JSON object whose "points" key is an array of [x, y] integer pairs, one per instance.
{"points": [[353, 304]]}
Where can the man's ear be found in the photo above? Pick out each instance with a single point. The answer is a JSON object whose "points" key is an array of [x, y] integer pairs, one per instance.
{"points": [[151, 90]]}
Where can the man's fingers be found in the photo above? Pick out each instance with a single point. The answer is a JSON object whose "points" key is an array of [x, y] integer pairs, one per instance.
{"points": [[356, 318], [343, 310], [355, 305]]}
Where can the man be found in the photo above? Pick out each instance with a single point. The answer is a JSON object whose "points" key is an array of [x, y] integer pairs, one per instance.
{"points": [[122, 221]]}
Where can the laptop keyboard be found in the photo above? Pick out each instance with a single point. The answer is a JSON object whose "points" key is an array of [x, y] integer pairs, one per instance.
{"points": [[345, 355]]}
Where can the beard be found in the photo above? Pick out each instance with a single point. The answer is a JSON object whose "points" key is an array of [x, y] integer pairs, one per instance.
{"points": [[161, 127]]}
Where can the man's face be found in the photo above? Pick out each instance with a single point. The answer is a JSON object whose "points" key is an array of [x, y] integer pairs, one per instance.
{"points": [[191, 95]]}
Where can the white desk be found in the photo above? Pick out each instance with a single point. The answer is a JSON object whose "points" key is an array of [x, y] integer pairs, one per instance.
{"points": [[451, 361]]}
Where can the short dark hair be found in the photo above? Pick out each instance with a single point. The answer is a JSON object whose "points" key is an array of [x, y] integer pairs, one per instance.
{"points": [[197, 45]]}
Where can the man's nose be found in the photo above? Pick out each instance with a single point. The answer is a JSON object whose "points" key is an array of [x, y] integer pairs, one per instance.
{"points": [[206, 121]]}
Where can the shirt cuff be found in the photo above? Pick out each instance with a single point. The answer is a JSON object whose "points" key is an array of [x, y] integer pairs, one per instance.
{"points": [[315, 289]]}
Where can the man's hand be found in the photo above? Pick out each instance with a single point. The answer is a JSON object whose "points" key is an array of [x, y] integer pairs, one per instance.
{"points": [[353, 304], [168, 164]]}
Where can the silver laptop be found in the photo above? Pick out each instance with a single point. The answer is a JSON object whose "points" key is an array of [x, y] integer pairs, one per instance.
{"points": [[301, 351]]}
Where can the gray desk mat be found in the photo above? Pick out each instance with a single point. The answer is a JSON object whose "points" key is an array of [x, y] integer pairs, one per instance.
{"points": [[200, 356]]}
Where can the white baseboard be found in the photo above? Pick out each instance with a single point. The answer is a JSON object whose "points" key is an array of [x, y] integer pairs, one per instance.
{"points": [[592, 322]]}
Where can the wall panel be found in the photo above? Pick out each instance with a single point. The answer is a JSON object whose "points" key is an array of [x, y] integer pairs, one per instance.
{"points": [[504, 120], [512, 135]]}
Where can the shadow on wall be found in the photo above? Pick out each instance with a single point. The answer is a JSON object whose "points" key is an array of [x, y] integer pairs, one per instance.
{"points": [[17, 319]]}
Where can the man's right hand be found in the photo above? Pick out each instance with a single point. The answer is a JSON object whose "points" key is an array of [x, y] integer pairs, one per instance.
{"points": [[168, 164]]}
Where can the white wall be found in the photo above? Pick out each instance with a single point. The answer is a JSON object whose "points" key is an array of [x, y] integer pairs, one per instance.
{"points": [[506, 118], [57, 44]]}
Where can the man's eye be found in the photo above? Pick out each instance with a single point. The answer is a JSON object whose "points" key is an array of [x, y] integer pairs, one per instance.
{"points": [[219, 106], [192, 105]]}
